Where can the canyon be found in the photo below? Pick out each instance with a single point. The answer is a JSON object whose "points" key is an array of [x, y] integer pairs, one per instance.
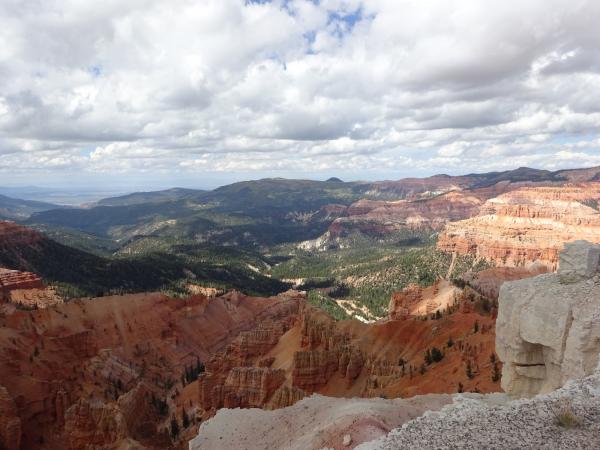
{"points": [[145, 370], [548, 339], [115, 370], [279, 364], [527, 225], [120, 370]]}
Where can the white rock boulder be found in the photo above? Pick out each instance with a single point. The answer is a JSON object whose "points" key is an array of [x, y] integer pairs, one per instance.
{"points": [[548, 327]]}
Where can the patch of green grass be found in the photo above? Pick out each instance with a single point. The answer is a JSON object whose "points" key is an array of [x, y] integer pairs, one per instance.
{"points": [[564, 416]]}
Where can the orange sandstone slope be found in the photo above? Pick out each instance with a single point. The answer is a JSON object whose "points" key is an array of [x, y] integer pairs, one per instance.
{"points": [[528, 224], [120, 371], [278, 364], [115, 370]]}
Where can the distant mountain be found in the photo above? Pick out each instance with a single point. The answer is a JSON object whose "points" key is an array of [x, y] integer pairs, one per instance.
{"points": [[150, 197], [83, 273], [522, 174], [18, 209], [267, 212]]}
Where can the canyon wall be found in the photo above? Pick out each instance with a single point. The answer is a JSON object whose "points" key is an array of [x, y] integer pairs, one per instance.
{"points": [[527, 225], [381, 217], [314, 354], [117, 370]]}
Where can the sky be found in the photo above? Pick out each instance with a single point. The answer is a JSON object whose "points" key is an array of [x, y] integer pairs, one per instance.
{"points": [[153, 93]]}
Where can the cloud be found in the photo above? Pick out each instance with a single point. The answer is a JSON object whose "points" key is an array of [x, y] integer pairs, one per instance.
{"points": [[338, 85]]}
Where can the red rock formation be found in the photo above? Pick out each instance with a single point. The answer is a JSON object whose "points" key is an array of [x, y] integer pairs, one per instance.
{"points": [[13, 279], [10, 424], [285, 396], [527, 225], [382, 217], [488, 282], [415, 187], [217, 382], [94, 424], [317, 354], [415, 300], [26, 289], [402, 302], [101, 372], [247, 387], [113, 371]]}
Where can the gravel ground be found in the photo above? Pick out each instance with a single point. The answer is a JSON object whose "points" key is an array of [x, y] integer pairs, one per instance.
{"points": [[470, 423]]}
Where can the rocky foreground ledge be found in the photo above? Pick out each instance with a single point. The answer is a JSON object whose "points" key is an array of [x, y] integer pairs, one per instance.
{"points": [[548, 337], [540, 422]]}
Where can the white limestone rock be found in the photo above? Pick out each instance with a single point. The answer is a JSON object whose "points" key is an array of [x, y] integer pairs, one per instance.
{"points": [[548, 331], [579, 260]]}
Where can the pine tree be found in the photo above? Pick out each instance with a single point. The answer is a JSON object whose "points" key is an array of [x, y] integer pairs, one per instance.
{"points": [[470, 373], [174, 427], [436, 354], [496, 373]]}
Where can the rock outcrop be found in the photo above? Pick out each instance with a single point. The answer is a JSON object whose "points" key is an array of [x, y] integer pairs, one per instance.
{"points": [[274, 367], [316, 422], [494, 422], [415, 300], [94, 424], [26, 289], [14, 279], [251, 387], [548, 327], [231, 378], [527, 225]]}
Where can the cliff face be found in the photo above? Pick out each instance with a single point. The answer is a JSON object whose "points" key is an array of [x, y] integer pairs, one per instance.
{"points": [[277, 365], [526, 225], [114, 370], [232, 378], [26, 289], [381, 217], [549, 326]]}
